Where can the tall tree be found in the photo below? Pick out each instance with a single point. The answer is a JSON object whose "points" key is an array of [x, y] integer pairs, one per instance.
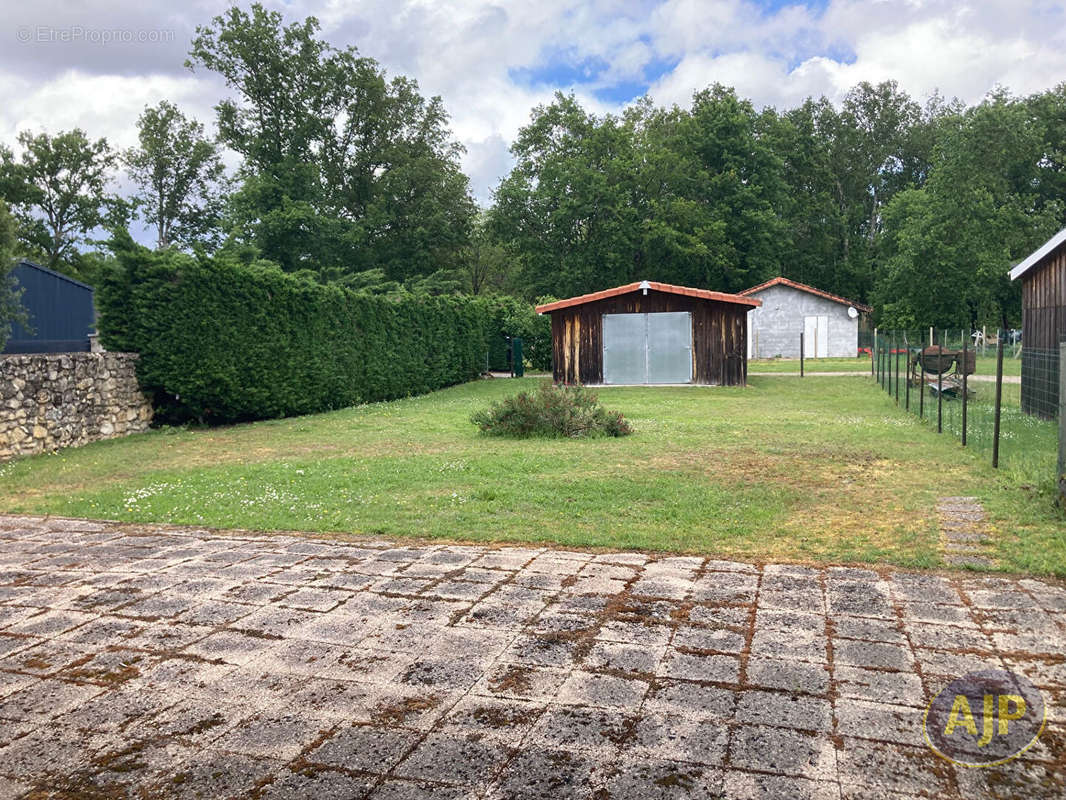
{"points": [[815, 206], [178, 173], [1049, 110], [486, 264], [565, 209], [61, 193], [949, 244], [11, 309], [736, 179], [687, 196], [343, 169]]}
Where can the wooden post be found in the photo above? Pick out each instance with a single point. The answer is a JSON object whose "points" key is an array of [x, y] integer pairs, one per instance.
{"points": [[801, 354], [940, 384], [965, 353], [984, 340], [1062, 423], [999, 401], [873, 353]]}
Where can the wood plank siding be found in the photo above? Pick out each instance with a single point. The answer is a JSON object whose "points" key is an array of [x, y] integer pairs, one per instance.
{"points": [[1043, 327], [719, 347]]}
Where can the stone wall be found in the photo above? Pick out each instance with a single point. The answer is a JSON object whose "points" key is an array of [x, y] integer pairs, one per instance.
{"points": [[48, 401]]}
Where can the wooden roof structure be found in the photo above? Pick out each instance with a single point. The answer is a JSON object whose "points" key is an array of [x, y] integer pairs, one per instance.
{"points": [[669, 288]]}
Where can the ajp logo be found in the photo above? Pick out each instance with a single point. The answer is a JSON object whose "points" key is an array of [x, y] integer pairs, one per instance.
{"points": [[985, 718]]}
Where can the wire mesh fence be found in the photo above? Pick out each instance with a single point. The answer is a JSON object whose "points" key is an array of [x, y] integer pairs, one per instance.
{"points": [[984, 388]]}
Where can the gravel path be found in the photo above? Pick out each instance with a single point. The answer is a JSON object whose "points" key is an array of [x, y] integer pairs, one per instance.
{"points": [[164, 662]]}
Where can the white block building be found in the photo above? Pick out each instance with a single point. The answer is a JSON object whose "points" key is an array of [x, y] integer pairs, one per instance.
{"points": [[830, 324]]}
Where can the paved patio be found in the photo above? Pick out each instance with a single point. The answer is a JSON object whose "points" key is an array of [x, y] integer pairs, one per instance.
{"points": [[162, 662]]}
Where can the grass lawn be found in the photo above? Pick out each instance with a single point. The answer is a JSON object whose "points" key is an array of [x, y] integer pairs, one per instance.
{"points": [[984, 366], [770, 365], [825, 470]]}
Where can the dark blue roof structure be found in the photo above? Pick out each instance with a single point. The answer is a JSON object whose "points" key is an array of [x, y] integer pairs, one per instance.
{"points": [[60, 310]]}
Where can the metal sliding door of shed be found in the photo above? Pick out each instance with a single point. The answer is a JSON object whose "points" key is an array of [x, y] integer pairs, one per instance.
{"points": [[647, 348]]}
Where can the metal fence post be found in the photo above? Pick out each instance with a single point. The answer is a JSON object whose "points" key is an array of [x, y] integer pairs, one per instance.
{"points": [[999, 401], [801, 355], [896, 348], [940, 383], [888, 366], [921, 390], [1062, 423], [907, 375], [891, 369], [884, 366], [965, 367], [888, 362]]}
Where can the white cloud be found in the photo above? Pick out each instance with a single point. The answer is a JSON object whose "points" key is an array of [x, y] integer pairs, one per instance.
{"points": [[102, 105], [470, 52]]}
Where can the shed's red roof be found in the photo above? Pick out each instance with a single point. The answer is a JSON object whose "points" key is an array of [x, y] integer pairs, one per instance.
{"points": [[805, 288], [703, 294]]}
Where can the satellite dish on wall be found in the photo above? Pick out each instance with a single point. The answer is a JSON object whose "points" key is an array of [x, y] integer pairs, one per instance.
{"points": [[853, 312]]}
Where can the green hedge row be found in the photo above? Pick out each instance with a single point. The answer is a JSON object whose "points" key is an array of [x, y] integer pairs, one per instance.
{"points": [[223, 341]]}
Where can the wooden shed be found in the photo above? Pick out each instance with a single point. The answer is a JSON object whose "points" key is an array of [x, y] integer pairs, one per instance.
{"points": [[1043, 277], [650, 333]]}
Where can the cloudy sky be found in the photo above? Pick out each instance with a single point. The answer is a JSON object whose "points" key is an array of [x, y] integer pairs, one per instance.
{"points": [[96, 64]]}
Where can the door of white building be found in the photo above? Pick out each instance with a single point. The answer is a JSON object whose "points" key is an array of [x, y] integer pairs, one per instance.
{"points": [[816, 336]]}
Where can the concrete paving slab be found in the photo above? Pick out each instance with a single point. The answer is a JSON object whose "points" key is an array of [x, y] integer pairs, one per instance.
{"points": [[166, 662]]}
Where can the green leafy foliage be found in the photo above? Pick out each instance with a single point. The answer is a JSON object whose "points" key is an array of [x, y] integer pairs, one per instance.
{"points": [[947, 245], [178, 173], [918, 210], [223, 341], [551, 411], [59, 192], [343, 168], [11, 309], [509, 316]]}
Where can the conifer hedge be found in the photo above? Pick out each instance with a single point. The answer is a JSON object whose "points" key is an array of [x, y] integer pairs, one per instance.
{"points": [[224, 341]]}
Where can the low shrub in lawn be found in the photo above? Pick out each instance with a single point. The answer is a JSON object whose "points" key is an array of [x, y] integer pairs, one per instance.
{"points": [[570, 411]]}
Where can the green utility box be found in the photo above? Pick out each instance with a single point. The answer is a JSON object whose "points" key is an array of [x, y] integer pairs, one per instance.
{"points": [[518, 369]]}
